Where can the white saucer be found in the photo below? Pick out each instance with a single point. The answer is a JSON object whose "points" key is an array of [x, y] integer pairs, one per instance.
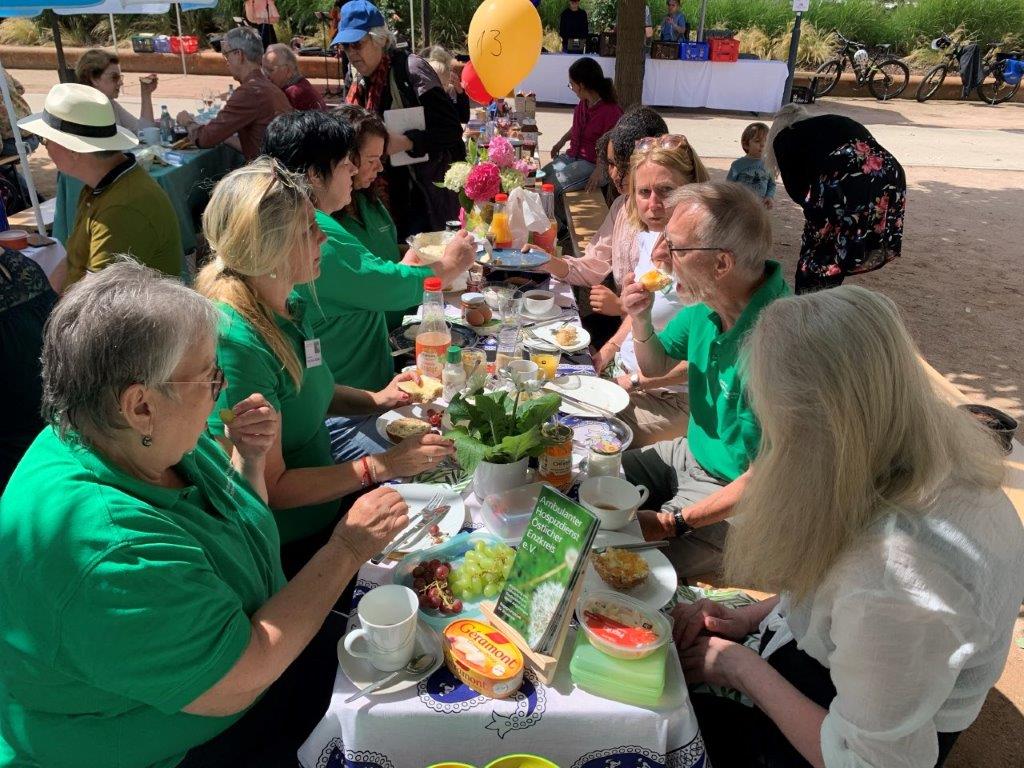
{"points": [[551, 314], [362, 673]]}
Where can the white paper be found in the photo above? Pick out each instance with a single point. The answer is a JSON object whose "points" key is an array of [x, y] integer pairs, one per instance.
{"points": [[525, 215], [400, 121]]}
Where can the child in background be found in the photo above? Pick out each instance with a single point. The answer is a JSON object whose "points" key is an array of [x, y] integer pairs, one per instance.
{"points": [[750, 169]]}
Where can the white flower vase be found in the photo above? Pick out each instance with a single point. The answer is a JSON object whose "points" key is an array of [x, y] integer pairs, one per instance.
{"points": [[497, 478]]}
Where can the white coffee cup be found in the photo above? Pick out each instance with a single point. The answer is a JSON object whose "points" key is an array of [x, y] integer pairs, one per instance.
{"points": [[150, 136], [538, 302], [613, 500], [387, 618]]}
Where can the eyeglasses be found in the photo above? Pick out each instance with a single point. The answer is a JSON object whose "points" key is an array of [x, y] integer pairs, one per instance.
{"points": [[217, 383], [665, 141], [225, 51], [685, 248]]}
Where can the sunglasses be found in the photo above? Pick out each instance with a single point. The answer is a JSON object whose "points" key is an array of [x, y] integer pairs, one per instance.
{"points": [[217, 383], [665, 141]]}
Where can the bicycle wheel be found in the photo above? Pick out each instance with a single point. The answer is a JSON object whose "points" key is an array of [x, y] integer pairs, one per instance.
{"points": [[889, 79], [931, 83], [826, 76], [993, 88]]}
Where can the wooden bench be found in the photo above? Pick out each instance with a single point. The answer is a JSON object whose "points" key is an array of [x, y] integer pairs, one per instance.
{"points": [[585, 212]]}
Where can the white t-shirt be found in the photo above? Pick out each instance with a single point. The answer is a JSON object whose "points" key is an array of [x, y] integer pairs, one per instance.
{"points": [[666, 305], [914, 625]]}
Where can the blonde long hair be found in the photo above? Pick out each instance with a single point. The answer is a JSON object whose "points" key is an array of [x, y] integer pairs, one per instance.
{"points": [[255, 220], [851, 428], [682, 160]]}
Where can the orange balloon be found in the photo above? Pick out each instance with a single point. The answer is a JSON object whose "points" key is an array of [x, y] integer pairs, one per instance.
{"points": [[504, 43]]}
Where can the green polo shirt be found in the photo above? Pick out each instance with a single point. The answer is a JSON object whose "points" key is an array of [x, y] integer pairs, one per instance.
{"points": [[723, 433], [375, 229], [251, 366], [353, 291], [127, 213], [121, 602]]}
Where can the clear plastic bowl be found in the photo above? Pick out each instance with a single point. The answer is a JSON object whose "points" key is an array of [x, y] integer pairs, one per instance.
{"points": [[507, 514], [629, 613]]}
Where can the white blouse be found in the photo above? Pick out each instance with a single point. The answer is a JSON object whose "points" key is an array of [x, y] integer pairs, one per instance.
{"points": [[914, 625]]}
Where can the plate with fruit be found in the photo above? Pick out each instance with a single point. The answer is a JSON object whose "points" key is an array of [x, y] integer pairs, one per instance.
{"points": [[452, 579], [417, 495]]}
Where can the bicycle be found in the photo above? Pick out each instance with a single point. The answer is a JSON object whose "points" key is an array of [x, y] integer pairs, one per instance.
{"points": [[885, 76], [995, 86]]}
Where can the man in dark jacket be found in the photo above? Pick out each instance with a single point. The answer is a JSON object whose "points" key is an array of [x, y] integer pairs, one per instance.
{"points": [[573, 24]]}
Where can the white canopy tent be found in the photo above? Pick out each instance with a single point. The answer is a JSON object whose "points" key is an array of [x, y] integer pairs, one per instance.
{"points": [[67, 8]]}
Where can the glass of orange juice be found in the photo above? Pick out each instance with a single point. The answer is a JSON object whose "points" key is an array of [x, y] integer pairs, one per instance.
{"points": [[547, 363]]}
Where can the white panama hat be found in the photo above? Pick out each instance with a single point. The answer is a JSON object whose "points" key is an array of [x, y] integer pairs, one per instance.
{"points": [[79, 118]]}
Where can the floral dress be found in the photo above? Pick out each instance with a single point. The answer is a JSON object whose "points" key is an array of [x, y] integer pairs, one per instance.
{"points": [[853, 194]]}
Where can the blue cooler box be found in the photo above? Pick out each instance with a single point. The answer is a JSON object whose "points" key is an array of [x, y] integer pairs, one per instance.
{"points": [[693, 51]]}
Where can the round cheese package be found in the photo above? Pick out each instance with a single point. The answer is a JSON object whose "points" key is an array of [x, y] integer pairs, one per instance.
{"points": [[483, 658]]}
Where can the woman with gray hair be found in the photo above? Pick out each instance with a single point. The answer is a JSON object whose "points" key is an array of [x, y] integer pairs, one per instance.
{"points": [[389, 78], [143, 610], [852, 190], [874, 507]]}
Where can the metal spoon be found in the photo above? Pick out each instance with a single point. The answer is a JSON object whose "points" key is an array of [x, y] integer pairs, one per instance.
{"points": [[416, 666]]}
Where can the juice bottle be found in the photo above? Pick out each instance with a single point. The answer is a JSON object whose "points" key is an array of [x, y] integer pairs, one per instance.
{"points": [[500, 230], [546, 240], [433, 337]]}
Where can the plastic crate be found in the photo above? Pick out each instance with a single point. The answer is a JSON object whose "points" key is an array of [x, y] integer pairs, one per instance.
{"points": [[723, 49], [184, 44], [162, 44], [142, 43], [664, 50], [693, 51]]}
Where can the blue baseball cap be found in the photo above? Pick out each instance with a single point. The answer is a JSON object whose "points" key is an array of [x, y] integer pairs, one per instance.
{"points": [[357, 18]]}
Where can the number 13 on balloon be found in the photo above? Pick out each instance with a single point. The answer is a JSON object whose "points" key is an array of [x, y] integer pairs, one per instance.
{"points": [[504, 43]]}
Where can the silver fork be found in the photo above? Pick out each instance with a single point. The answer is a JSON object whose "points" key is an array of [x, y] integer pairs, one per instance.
{"points": [[425, 516]]}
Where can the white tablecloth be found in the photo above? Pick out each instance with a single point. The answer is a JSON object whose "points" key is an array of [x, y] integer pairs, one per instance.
{"points": [[746, 85], [440, 719], [49, 257]]}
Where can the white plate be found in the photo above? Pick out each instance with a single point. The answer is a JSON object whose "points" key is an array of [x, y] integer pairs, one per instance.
{"points": [[362, 673], [660, 585], [547, 333], [416, 411], [590, 389], [417, 495]]}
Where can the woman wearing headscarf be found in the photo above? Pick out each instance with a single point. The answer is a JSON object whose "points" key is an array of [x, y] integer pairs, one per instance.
{"points": [[852, 191]]}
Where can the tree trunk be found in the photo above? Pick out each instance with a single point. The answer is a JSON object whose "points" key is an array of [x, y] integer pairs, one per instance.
{"points": [[629, 52]]}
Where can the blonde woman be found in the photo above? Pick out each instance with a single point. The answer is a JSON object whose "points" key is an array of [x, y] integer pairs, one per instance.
{"points": [[262, 230], [657, 408], [102, 70], [874, 507]]}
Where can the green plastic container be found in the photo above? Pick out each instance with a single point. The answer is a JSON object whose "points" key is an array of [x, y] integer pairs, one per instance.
{"points": [[640, 682]]}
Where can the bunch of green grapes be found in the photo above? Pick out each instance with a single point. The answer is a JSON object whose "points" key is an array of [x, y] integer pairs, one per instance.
{"points": [[483, 571]]}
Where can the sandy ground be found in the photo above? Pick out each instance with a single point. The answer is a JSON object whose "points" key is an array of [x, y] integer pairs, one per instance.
{"points": [[959, 284]]}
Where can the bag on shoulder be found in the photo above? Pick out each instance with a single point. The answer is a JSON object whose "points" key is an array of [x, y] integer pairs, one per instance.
{"points": [[261, 12]]}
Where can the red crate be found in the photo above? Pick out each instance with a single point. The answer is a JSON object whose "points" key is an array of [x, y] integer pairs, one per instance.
{"points": [[723, 49], [185, 43]]}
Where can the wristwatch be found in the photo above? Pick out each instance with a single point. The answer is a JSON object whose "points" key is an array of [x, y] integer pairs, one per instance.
{"points": [[683, 528], [634, 380]]}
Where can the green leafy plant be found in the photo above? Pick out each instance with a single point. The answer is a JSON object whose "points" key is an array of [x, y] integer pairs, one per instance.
{"points": [[498, 427]]}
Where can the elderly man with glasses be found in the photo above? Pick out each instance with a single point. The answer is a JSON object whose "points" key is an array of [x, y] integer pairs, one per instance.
{"points": [[281, 65], [716, 247], [257, 101]]}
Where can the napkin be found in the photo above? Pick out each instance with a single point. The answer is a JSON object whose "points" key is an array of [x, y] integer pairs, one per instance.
{"points": [[525, 215]]}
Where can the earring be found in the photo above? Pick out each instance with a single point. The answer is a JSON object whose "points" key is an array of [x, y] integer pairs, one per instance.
{"points": [[273, 275], [147, 441]]}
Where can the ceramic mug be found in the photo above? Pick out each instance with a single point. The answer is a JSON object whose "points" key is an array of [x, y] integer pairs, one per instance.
{"points": [[613, 500], [387, 618]]}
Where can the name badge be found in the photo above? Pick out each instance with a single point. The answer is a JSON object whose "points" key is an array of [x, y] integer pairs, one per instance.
{"points": [[313, 356]]}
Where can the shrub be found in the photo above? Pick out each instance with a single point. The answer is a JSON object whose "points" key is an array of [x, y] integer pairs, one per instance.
{"points": [[17, 31]]}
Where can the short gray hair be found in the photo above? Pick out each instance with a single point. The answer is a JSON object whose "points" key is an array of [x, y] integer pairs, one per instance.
{"points": [[383, 37], [246, 40], [287, 55], [127, 324], [733, 219]]}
